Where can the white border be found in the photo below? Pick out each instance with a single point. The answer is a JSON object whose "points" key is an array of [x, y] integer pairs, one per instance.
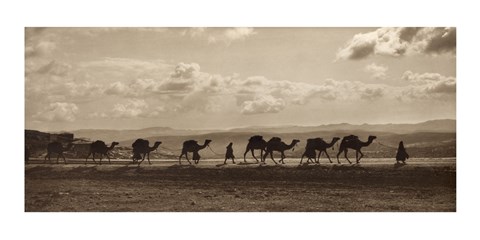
{"points": [[17, 224]]}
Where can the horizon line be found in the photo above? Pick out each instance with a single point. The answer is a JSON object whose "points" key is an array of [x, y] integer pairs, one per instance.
{"points": [[240, 127]]}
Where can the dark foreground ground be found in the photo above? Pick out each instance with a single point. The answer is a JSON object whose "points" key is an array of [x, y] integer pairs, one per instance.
{"points": [[422, 185]]}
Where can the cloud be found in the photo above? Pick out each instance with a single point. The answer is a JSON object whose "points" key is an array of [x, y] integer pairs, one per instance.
{"points": [[58, 81], [428, 85], [132, 109], [223, 35], [378, 72], [438, 40], [372, 93], [40, 49], [194, 32], [398, 42], [263, 104], [184, 70], [55, 68], [233, 34], [126, 68], [190, 89], [97, 31], [58, 112]]}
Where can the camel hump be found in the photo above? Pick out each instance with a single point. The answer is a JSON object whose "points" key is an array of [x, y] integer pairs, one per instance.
{"points": [[275, 139], [98, 143], [256, 138], [139, 142], [350, 137], [190, 142], [314, 140]]}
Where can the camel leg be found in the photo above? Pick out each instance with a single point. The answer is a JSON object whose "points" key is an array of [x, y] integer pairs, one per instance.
{"points": [[186, 156], [245, 154], [108, 158], [301, 159], [253, 155], [264, 156], [93, 158], [271, 155], [87, 158], [346, 151], [283, 157], [180, 158], [148, 157], [361, 155], [48, 155], [64, 161], [101, 156], [143, 158], [318, 157], [328, 157], [338, 154]]}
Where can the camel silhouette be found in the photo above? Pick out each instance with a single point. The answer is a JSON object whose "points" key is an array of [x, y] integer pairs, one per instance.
{"points": [[101, 148], [320, 145], [276, 144], [255, 142], [309, 153], [353, 142], [192, 146], [141, 146], [56, 147]]}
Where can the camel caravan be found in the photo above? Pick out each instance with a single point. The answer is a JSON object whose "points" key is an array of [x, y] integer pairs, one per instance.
{"points": [[141, 149]]}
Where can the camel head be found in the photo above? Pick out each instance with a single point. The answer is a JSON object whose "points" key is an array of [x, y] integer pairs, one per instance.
{"points": [[371, 138], [207, 142], [294, 143], [111, 146], [157, 143], [334, 140]]}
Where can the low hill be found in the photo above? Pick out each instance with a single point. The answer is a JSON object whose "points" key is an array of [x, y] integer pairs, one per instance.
{"points": [[439, 126], [424, 144]]}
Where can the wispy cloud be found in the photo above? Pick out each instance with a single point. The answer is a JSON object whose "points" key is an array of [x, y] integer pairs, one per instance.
{"points": [[220, 35], [378, 72], [58, 112]]}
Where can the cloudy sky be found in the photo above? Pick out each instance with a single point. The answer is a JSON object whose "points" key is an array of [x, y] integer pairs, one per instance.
{"points": [[197, 78]]}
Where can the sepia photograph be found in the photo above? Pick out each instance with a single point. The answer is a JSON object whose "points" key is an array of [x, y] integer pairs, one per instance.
{"points": [[240, 119]]}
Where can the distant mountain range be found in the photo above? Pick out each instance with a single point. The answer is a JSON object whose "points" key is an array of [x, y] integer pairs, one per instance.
{"points": [[435, 138], [433, 126]]}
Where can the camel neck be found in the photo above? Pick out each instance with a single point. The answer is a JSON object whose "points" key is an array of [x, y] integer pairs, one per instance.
{"points": [[154, 146], [291, 145], [370, 140], [332, 142]]}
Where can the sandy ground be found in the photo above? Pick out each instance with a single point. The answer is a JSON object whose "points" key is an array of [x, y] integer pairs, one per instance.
{"points": [[373, 185]]}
